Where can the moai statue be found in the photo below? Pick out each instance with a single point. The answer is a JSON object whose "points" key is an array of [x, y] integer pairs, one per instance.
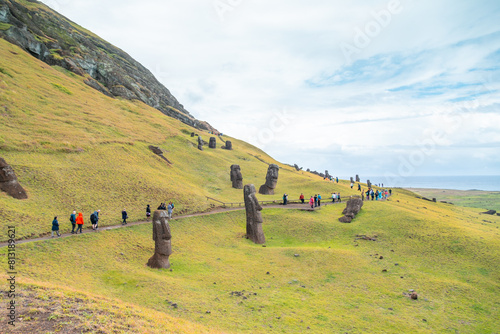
{"points": [[162, 238], [236, 177], [192, 134], [9, 183], [254, 217], [271, 180], [352, 180], [212, 143], [368, 183], [229, 145], [327, 175], [200, 143], [357, 178], [352, 208]]}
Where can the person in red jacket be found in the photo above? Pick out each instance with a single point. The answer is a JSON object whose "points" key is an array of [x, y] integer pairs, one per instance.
{"points": [[79, 222], [311, 202], [302, 198]]}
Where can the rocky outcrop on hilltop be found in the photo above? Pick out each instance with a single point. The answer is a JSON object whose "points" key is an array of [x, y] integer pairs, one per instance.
{"points": [[56, 40]]}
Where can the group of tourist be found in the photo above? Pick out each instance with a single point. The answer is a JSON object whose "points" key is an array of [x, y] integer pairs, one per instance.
{"points": [[336, 197], [377, 194], [77, 220]]}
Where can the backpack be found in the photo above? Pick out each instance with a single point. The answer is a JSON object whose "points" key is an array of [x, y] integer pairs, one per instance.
{"points": [[93, 218]]}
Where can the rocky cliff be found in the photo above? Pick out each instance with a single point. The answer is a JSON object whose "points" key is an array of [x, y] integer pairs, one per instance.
{"points": [[56, 40]]}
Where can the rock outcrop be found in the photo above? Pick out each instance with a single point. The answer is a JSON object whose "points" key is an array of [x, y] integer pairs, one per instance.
{"points": [[9, 183], [352, 208], [56, 40]]}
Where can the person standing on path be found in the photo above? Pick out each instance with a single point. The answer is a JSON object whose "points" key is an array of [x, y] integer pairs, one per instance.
{"points": [[124, 217], [352, 185], [170, 209], [359, 187], [148, 212], [94, 219], [338, 197], [319, 200], [55, 227], [301, 198], [79, 223], [72, 219], [315, 200], [285, 198], [311, 202]]}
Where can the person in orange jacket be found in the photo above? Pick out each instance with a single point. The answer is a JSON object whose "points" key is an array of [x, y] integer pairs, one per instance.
{"points": [[79, 222]]}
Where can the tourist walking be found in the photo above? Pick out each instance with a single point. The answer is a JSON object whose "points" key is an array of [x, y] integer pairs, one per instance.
{"points": [[79, 223], [338, 198], [55, 227], [319, 200], [148, 212], [124, 217], [94, 219], [72, 219], [285, 198], [301, 198], [359, 187], [352, 185], [315, 200], [311, 202], [170, 209]]}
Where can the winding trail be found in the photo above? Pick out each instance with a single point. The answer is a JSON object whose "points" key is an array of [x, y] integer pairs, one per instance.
{"points": [[293, 206]]}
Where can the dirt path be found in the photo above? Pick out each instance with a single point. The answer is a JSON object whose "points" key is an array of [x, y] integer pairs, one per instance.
{"points": [[303, 207]]}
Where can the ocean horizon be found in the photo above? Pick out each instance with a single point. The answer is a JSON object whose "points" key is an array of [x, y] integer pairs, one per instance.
{"points": [[466, 182]]}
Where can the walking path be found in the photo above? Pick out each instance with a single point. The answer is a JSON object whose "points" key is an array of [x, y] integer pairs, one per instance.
{"points": [[293, 206]]}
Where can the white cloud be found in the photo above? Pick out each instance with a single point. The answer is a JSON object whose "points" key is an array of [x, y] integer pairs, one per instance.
{"points": [[431, 61]]}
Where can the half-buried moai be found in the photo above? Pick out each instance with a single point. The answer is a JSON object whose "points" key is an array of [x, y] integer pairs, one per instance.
{"points": [[352, 208], [352, 180], [236, 177], [271, 180], [212, 143], [229, 145], [9, 183], [254, 217], [368, 183], [162, 238], [200, 143], [357, 178]]}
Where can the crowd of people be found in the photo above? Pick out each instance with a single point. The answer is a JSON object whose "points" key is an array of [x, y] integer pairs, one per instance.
{"points": [[77, 220]]}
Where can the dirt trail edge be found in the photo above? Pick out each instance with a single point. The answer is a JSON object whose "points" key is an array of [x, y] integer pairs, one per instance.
{"points": [[304, 207]]}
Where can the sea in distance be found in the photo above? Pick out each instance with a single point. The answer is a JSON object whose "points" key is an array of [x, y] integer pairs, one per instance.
{"points": [[475, 182]]}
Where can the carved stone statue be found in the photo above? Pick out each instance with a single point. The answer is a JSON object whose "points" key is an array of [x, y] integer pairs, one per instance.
{"points": [[229, 145], [327, 175], [357, 178], [271, 180], [368, 183], [254, 217], [192, 134], [212, 143], [352, 208], [236, 177], [200, 143], [9, 183], [352, 180], [162, 238]]}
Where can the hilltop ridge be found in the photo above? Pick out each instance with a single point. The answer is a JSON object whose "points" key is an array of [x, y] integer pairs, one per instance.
{"points": [[56, 40]]}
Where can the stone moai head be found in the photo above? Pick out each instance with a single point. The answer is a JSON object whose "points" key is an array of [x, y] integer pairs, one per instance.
{"points": [[162, 238], [212, 143], [236, 177], [352, 180], [368, 183], [9, 182], [272, 176], [357, 178], [229, 145]]}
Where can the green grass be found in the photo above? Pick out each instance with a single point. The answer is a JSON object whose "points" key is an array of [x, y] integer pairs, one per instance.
{"points": [[335, 285], [488, 200]]}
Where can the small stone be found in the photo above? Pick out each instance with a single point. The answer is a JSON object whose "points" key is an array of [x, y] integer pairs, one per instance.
{"points": [[414, 296], [396, 264], [264, 246], [390, 309], [424, 320], [208, 312], [174, 305], [122, 254], [296, 255], [384, 270], [267, 273], [411, 290], [381, 257], [402, 277]]}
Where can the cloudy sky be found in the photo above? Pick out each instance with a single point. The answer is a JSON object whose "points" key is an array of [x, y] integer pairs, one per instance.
{"points": [[393, 87]]}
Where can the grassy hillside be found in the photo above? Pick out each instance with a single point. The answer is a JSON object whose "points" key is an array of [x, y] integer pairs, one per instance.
{"points": [[337, 284], [73, 148], [487, 200]]}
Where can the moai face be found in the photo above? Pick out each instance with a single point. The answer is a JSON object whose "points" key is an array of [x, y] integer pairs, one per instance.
{"points": [[272, 176]]}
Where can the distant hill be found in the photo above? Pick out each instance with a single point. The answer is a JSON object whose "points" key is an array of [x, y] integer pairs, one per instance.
{"points": [[56, 40]]}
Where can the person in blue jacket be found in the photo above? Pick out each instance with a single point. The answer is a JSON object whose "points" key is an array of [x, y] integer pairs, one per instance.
{"points": [[72, 219], [55, 227], [124, 217]]}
